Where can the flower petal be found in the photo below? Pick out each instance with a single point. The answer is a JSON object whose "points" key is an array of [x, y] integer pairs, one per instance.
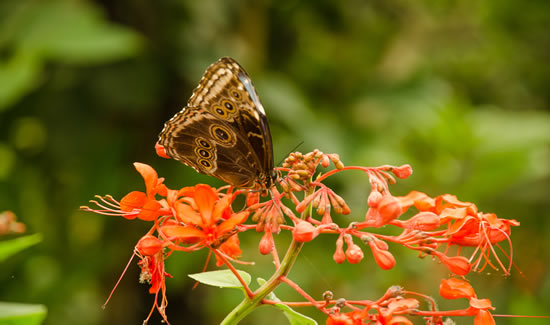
{"points": [[188, 215], [149, 176], [205, 198], [484, 317], [133, 200], [150, 211], [234, 220], [454, 288], [185, 233], [480, 303], [220, 206]]}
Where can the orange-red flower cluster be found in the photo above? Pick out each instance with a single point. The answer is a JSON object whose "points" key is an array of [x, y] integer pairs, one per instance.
{"points": [[454, 288], [465, 226], [188, 219]]}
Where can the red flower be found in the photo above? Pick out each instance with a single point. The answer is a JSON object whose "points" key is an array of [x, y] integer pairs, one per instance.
{"points": [[143, 205], [207, 219], [136, 204], [152, 272], [352, 318]]}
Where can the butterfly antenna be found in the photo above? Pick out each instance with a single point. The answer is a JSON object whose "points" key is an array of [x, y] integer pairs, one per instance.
{"points": [[291, 151]]}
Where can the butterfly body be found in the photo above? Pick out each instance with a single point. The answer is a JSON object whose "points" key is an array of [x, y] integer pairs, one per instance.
{"points": [[223, 130]]}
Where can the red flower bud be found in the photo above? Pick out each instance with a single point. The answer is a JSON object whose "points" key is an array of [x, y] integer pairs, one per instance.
{"points": [[307, 200], [403, 171], [459, 265], [266, 243], [354, 254], [325, 161], [383, 258], [304, 232], [339, 256], [380, 244], [149, 245], [374, 199], [389, 208], [424, 221]]}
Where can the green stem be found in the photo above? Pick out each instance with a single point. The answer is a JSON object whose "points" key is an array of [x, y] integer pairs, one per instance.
{"points": [[250, 303]]}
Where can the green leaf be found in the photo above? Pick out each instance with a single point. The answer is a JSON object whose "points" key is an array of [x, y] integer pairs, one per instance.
{"points": [[12, 246], [75, 32], [221, 278], [21, 314], [19, 74], [294, 317]]}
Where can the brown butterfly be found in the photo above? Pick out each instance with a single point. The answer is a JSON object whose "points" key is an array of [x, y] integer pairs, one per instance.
{"points": [[223, 130]]}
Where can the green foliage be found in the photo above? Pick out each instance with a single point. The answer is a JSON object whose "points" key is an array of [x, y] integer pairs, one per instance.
{"points": [[21, 314], [13, 246], [221, 278], [294, 317], [456, 89]]}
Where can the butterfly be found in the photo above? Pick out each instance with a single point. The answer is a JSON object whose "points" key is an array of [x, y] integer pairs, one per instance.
{"points": [[223, 130]]}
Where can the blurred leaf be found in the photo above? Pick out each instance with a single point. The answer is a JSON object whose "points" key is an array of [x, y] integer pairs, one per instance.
{"points": [[7, 160], [221, 278], [12, 246], [79, 35], [294, 317], [18, 75], [21, 314]]}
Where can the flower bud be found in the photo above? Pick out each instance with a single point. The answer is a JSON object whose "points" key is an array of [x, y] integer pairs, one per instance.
{"points": [[266, 243], [402, 171], [335, 158], [354, 254], [295, 186], [304, 232], [339, 256], [325, 161], [389, 208], [380, 244], [383, 258], [374, 199], [424, 221], [149, 245], [338, 203], [459, 265], [322, 205], [301, 207]]}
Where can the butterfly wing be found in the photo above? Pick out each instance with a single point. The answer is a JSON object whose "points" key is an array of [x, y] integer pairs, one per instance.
{"points": [[223, 131]]}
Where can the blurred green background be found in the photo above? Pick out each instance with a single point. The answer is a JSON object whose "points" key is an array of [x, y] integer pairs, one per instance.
{"points": [[458, 89]]}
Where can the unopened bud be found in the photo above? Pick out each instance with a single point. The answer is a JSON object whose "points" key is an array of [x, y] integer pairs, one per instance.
{"points": [[374, 199], [149, 245], [383, 258], [339, 256], [424, 221], [402, 171], [354, 254], [304, 232], [266, 243], [389, 208], [325, 161]]}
